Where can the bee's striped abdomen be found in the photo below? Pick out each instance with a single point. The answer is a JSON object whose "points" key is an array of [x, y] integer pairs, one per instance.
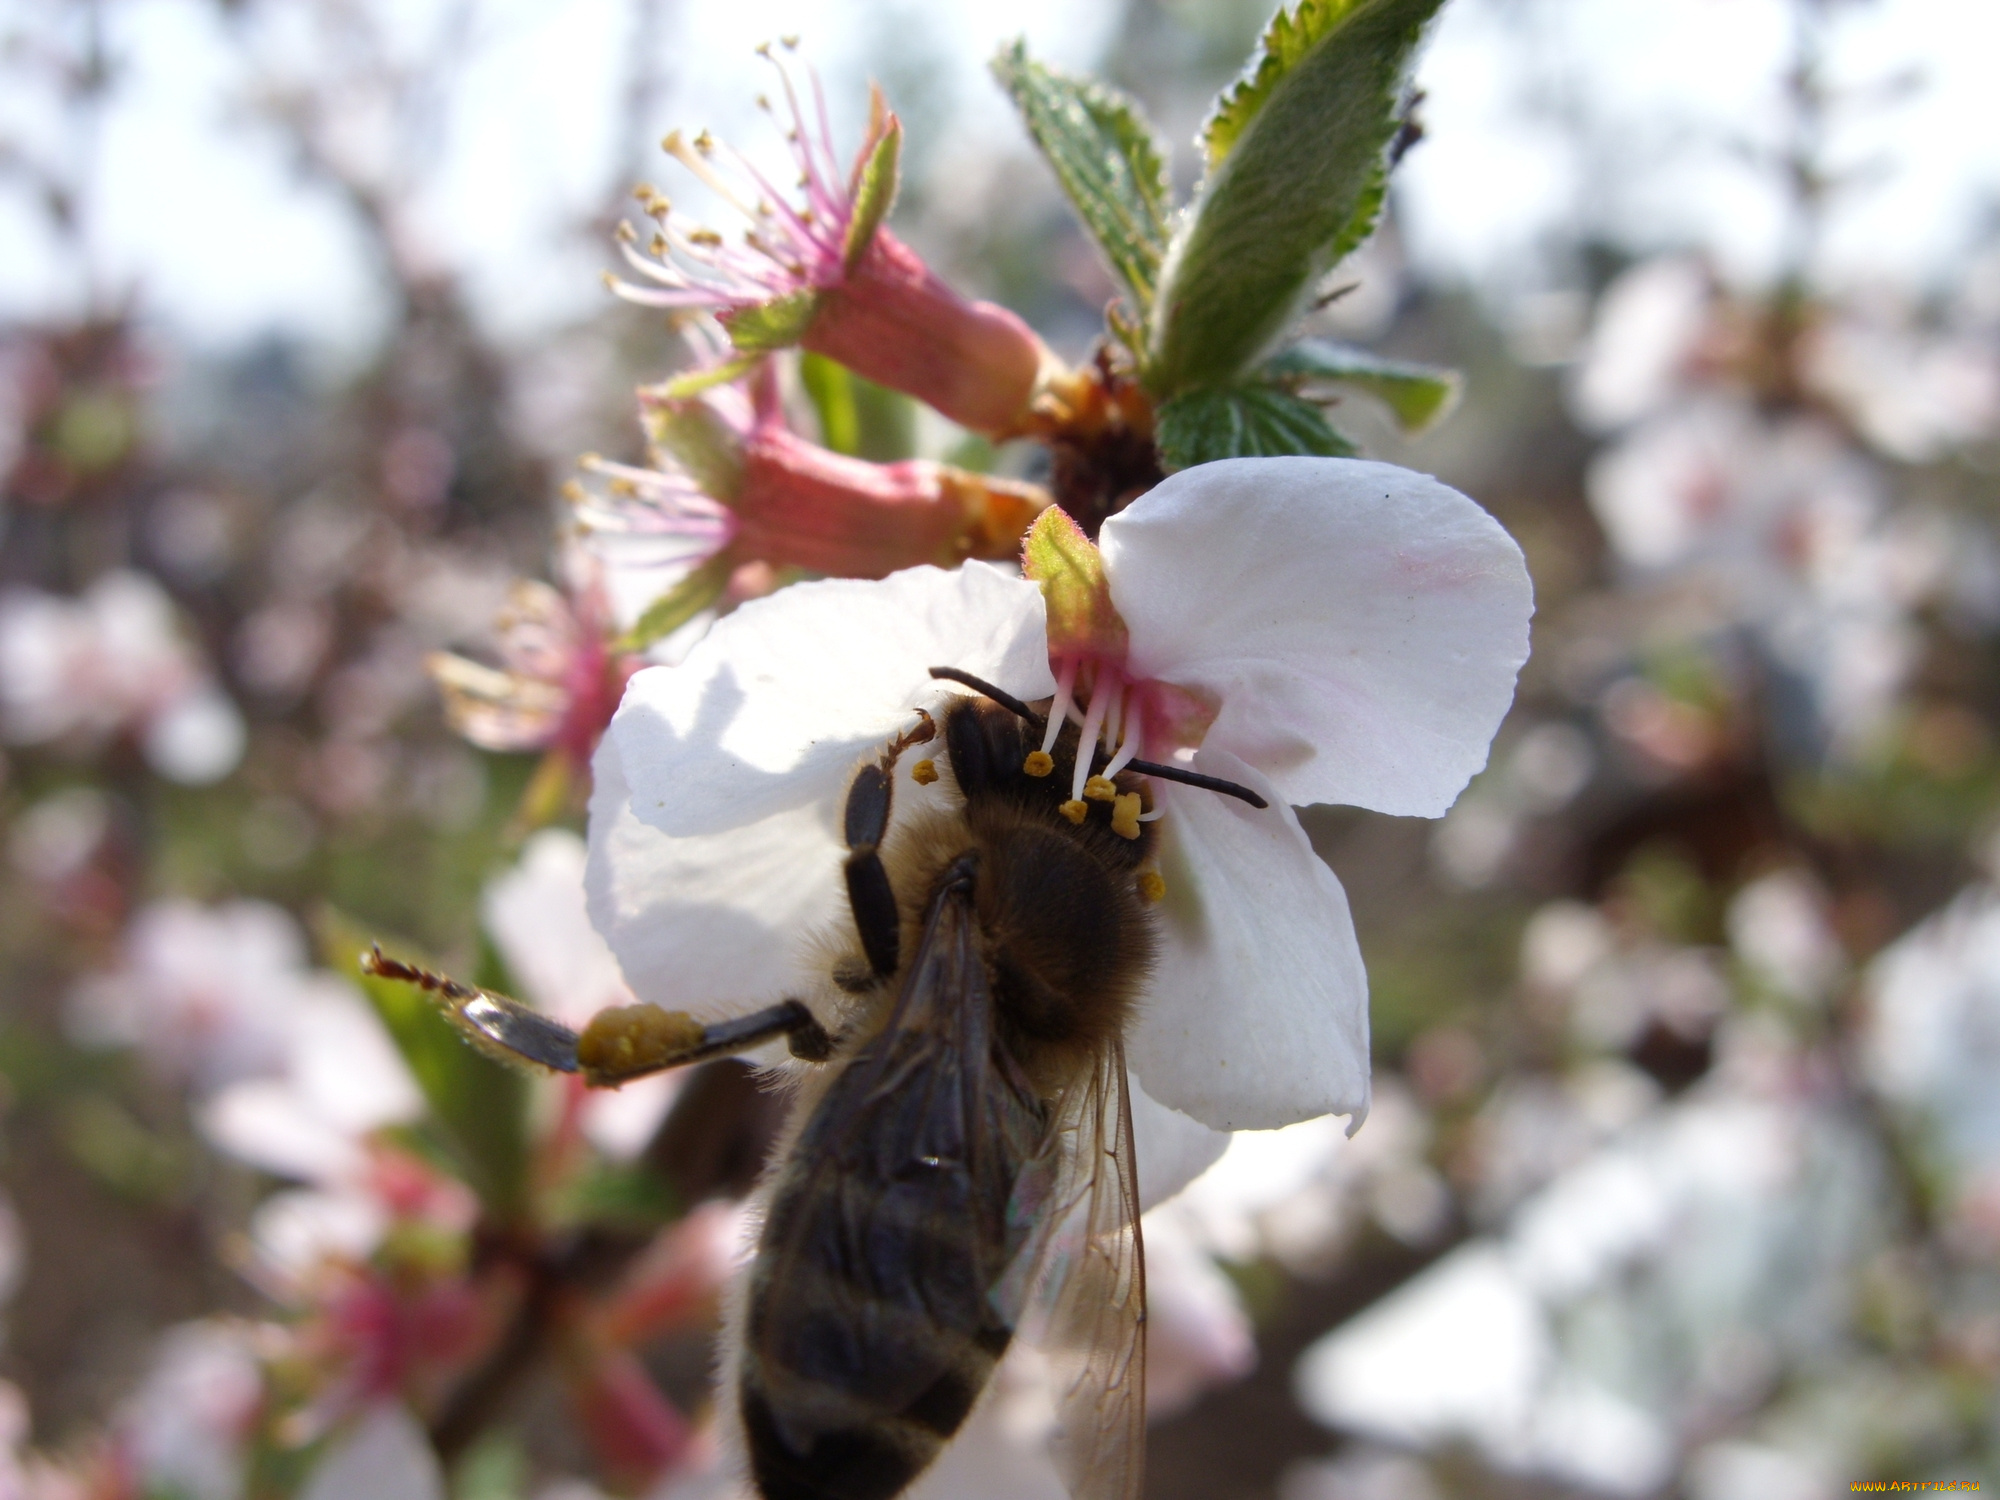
{"points": [[872, 1323]]}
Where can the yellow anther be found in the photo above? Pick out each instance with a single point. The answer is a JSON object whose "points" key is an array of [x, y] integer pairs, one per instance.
{"points": [[924, 772], [1039, 763], [623, 488], [610, 281], [1100, 789], [704, 237], [625, 234], [1075, 811], [1125, 815], [658, 245], [645, 192], [1151, 886], [575, 493], [704, 143]]}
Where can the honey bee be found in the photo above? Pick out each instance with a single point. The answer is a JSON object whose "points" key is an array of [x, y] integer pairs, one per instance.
{"points": [[964, 1152]]}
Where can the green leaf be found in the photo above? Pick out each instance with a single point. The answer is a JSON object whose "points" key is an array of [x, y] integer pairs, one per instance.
{"points": [[777, 324], [874, 195], [1297, 173], [1107, 159], [1416, 395], [1245, 421], [679, 604], [479, 1107], [858, 417]]}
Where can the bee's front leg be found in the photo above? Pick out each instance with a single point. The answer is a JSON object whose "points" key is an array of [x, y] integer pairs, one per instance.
{"points": [[866, 823]]}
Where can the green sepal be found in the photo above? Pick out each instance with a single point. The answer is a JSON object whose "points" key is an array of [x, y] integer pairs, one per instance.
{"points": [[874, 195], [698, 438], [693, 382], [478, 1107], [1297, 173], [1105, 155], [679, 604], [1242, 421], [1075, 589], [777, 324], [1416, 395], [858, 417]]}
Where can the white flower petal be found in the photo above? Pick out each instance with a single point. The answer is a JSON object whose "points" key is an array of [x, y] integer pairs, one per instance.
{"points": [[269, 1123], [1360, 624], [1173, 1148], [385, 1457], [709, 925], [297, 1231], [1197, 1333], [782, 697], [344, 1067], [1257, 1015], [536, 916]]}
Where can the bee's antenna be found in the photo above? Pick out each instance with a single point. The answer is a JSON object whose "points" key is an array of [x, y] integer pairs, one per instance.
{"points": [[1145, 767], [1195, 778], [979, 685]]}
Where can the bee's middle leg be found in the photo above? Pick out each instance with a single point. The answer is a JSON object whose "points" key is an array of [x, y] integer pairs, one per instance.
{"points": [[866, 823]]}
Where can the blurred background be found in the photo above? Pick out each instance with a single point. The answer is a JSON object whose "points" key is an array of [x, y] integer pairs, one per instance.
{"points": [[1683, 1177]]}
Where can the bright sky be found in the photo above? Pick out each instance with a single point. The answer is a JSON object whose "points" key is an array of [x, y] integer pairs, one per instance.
{"points": [[203, 213]]}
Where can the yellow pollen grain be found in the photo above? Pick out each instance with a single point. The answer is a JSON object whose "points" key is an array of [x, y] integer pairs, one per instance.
{"points": [[924, 772], [1038, 763], [1075, 810], [1100, 789], [1125, 815], [1152, 887]]}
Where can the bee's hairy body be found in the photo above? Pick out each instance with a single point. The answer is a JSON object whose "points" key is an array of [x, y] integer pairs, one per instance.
{"points": [[874, 1314]]}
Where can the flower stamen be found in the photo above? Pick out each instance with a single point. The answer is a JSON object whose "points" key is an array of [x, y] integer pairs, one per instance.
{"points": [[1058, 710]]}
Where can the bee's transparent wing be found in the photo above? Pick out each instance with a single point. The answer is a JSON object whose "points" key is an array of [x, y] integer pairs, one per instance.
{"points": [[1093, 1323]]}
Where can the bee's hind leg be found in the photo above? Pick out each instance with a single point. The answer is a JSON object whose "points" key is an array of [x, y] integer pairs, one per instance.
{"points": [[866, 823], [630, 1041], [619, 1044]]}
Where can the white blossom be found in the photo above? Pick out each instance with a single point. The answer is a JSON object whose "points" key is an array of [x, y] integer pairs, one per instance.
{"points": [[1355, 629]]}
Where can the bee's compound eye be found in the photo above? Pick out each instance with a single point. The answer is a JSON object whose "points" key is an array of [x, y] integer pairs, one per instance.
{"points": [[924, 772], [1124, 814], [1152, 886], [1038, 763], [630, 1039]]}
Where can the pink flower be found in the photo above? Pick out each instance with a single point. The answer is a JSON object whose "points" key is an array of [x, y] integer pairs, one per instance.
{"points": [[827, 275], [733, 493]]}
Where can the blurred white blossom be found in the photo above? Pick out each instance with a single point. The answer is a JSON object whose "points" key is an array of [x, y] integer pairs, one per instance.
{"points": [[114, 660]]}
